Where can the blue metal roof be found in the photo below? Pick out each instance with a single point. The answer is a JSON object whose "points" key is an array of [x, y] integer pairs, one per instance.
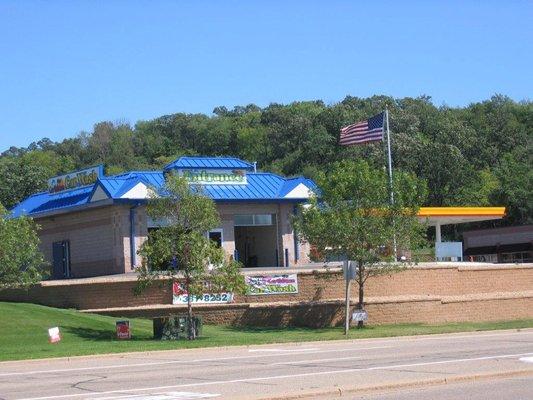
{"points": [[209, 162], [47, 202], [260, 186]]}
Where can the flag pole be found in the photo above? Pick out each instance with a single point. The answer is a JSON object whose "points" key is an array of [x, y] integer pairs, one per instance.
{"points": [[390, 175]]}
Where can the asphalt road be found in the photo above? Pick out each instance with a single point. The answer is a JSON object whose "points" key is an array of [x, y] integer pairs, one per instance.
{"points": [[490, 365]]}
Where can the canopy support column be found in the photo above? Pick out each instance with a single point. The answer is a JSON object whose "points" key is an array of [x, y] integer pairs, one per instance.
{"points": [[438, 237]]}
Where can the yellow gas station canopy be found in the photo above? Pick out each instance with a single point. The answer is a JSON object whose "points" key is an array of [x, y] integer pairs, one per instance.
{"points": [[459, 215]]}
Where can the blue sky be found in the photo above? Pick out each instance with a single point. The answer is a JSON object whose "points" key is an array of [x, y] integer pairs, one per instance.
{"points": [[66, 65]]}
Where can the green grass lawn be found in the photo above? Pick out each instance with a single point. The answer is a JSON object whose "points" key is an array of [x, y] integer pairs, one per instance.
{"points": [[23, 333]]}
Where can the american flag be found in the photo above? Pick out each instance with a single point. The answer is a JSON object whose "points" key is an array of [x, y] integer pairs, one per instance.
{"points": [[370, 130]]}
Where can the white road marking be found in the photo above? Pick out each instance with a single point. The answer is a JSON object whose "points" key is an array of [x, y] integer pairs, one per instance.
{"points": [[317, 360], [281, 350], [289, 376], [527, 359], [163, 396], [148, 364]]}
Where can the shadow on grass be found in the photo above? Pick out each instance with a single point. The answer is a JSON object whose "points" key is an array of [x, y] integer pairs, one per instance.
{"points": [[100, 334], [106, 335], [274, 329]]}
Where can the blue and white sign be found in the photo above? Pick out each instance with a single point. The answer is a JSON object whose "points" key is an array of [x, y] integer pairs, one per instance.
{"points": [[73, 180]]}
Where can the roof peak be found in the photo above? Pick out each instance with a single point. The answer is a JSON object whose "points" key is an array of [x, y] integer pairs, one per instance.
{"points": [[209, 162]]}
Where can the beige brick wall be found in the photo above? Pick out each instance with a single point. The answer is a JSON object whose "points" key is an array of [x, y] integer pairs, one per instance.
{"points": [[331, 313], [227, 211], [100, 237], [432, 294], [96, 236]]}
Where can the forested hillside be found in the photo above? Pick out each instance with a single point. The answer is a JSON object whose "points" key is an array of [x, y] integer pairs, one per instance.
{"points": [[477, 155]]}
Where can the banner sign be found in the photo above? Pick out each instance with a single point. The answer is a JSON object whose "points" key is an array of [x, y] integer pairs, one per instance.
{"points": [[76, 179], [214, 176], [272, 284], [180, 296]]}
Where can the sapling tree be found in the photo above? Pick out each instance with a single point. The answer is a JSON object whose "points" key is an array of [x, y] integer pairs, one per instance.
{"points": [[353, 218], [21, 262], [181, 249]]}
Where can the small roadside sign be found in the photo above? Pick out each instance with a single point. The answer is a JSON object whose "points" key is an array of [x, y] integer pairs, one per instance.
{"points": [[360, 315], [349, 268], [123, 329], [54, 335]]}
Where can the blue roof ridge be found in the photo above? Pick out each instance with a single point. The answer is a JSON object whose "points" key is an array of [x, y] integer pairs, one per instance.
{"points": [[125, 175], [208, 162], [265, 173], [216, 157]]}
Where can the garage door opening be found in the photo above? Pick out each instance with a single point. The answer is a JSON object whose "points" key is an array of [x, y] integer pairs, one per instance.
{"points": [[256, 240]]}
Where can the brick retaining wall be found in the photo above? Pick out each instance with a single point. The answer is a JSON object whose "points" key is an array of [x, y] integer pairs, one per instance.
{"points": [[406, 309], [425, 293]]}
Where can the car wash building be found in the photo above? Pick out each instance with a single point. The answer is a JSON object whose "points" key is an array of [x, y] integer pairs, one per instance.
{"points": [[92, 224]]}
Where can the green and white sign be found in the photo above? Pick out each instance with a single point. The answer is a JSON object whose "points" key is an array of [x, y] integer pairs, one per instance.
{"points": [[214, 176], [271, 284]]}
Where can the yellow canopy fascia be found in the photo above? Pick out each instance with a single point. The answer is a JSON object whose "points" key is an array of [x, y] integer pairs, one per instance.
{"points": [[462, 212]]}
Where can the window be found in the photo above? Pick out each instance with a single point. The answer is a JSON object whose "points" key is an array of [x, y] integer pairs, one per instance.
{"points": [[152, 229], [518, 257], [216, 236], [254, 219], [263, 219], [243, 220]]}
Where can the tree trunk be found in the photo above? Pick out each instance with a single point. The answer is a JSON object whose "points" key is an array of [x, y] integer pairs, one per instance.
{"points": [[191, 334]]}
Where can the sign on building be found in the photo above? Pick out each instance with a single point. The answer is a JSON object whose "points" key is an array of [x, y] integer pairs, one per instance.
{"points": [[180, 296], [214, 176], [272, 284], [73, 180]]}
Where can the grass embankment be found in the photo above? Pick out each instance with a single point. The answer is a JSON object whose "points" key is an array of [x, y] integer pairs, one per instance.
{"points": [[23, 333]]}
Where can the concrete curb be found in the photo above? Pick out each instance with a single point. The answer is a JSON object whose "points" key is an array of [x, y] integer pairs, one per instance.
{"points": [[341, 391]]}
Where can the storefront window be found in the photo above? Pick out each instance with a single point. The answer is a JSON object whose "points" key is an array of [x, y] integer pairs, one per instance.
{"points": [[253, 219], [243, 220], [263, 219]]}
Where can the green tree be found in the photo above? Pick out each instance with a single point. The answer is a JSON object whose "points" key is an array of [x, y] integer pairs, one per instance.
{"points": [[460, 151], [181, 249], [355, 219], [20, 179], [21, 262], [28, 173], [516, 187]]}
